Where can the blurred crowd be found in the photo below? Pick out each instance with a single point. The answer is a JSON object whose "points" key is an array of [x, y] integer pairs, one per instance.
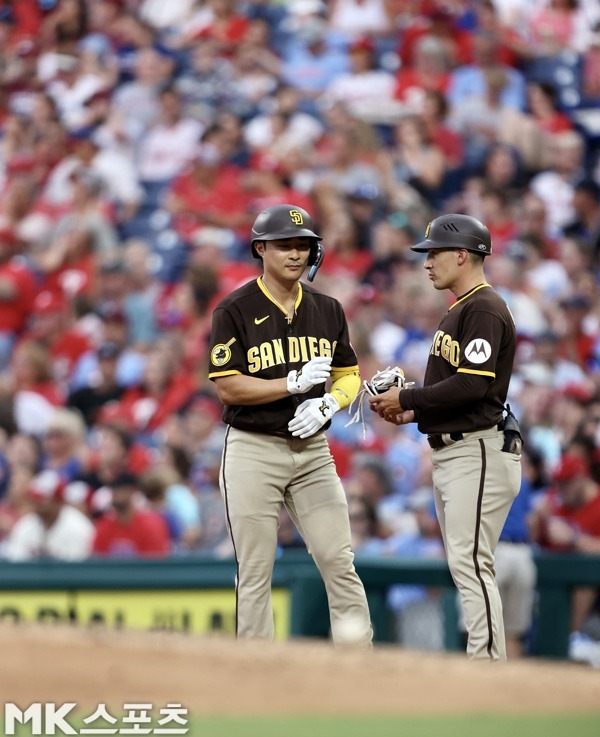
{"points": [[140, 138]]}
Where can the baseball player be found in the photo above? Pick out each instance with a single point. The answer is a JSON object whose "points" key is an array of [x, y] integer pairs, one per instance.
{"points": [[275, 342], [476, 451]]}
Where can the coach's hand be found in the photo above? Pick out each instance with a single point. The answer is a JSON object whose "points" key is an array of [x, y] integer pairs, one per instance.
{"points": [[311, 415], [316, 371]]}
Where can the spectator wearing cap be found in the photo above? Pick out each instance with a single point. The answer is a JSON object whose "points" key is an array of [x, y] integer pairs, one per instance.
{"points": [[17, 290], [53, 529], [563, 371], [311, 60], [366, 89], [586, 224], [105, 387], [126, 290], [577, 340], [168, 145], [567, 518], [555, 186], [128, 530], [52, 325], [114, 328]]}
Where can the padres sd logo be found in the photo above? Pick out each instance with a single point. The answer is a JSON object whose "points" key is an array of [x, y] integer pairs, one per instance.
{"points": [[221, 353], [296, 217]]}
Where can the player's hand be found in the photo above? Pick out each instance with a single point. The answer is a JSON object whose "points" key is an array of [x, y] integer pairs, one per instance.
{"points": [[311, 415], [387, 405], [404, 418], [316, 371]]}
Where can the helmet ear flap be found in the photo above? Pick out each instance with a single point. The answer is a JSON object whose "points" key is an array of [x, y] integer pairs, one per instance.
{"points": [[317, 254]]}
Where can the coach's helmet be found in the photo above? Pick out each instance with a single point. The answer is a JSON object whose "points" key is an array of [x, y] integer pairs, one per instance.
{"points": [[456, 231], [286, 221]]}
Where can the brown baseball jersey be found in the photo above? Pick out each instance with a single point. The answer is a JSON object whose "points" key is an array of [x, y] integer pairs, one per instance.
{"points": [[251, 335], [469, 366]]}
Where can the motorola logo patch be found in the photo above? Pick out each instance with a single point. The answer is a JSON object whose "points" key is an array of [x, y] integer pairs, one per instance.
{"points": [[478, 351]]}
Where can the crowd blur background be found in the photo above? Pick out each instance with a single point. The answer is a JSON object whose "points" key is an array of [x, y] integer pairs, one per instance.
{"points": [[138, 141]]}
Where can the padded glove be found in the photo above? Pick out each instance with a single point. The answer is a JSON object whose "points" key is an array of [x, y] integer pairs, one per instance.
{"points": [[316, 371], [312, 414]]}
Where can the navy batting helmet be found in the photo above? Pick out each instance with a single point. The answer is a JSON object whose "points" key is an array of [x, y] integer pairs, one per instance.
{"points": [[456, 231]]}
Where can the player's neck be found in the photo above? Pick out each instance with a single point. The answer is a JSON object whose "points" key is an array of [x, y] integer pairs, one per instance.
{"points": [[282, 291], [467, 283]]}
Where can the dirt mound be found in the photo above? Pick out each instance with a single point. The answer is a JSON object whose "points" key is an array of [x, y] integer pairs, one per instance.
{"points": [[213, 675]]}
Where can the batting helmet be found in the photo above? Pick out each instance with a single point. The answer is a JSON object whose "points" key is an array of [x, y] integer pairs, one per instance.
{"points": [[284, 221], [456, 231]]}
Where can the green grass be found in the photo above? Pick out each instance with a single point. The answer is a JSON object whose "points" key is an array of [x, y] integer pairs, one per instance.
{"points": [[584, 725], [575, 725]]}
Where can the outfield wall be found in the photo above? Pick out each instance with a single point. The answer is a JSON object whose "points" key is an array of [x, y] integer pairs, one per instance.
{"points": [[196, 594]]}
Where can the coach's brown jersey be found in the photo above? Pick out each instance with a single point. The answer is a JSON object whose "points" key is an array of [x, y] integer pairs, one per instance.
{"points": [[251, 336], [476, 338]]}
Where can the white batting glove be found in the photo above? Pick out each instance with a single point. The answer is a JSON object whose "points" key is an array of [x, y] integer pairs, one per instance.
{"points": [[316, 371], [311, 415]]}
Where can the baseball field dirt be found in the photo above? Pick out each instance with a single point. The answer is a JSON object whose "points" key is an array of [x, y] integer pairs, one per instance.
{"points": [[215, 675]]}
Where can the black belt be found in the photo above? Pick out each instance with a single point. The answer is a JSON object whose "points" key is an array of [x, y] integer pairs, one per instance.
{"points": [[436, 441]]}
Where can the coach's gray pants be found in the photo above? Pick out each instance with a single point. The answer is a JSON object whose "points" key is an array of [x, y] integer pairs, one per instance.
{"points": [[259, 473], [475, 484]]}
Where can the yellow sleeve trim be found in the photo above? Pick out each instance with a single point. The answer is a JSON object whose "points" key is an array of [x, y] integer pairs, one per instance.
{"points": [[337, 371], [345, 386], [478, 373], [216, 374]]}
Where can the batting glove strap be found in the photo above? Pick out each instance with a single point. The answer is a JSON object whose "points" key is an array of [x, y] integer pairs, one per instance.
{"points": [[380, 382], [316, 371], [311, 415]]}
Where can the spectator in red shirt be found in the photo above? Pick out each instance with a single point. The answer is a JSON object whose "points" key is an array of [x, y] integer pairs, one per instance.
{"points": [[53, 327], [429, 70], [128, 530], [165, 389], [17, 289], [208, 199], [224, 24], [568, 518], [69, 263]]}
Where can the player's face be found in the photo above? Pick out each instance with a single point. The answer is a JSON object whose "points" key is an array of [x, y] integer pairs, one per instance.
{"points": [[286, 259], [441, 265]]}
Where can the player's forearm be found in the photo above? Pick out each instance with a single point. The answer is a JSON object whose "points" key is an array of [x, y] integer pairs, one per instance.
{"points": [[250, 390], [456, 391]]}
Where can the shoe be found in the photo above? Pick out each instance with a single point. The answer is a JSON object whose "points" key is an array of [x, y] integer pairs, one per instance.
{"points": [[584, 649]]}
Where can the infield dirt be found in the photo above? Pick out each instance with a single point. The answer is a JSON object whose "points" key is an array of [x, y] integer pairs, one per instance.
{"points": [[215, 675]]}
